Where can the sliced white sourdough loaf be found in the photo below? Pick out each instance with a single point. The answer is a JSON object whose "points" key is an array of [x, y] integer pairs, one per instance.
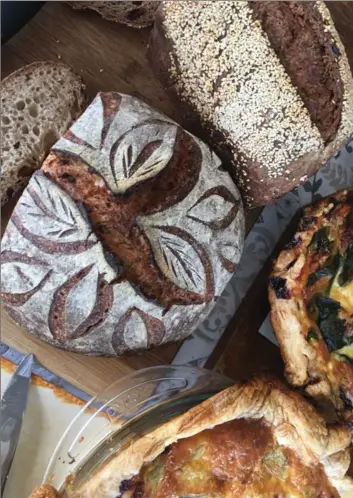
{"points": [[134, 14], [266, 84], [126, 236], [38, 104]]}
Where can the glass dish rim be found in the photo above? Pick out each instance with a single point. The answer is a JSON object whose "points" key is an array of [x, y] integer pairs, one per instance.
{"points": [[195, 384]]}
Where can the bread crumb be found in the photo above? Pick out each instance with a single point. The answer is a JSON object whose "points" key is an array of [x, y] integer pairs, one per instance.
{"points": [[59, 56], [101, 70]]}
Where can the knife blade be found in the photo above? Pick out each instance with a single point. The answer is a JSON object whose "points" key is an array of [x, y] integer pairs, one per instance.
{"points": [[13, 406]]}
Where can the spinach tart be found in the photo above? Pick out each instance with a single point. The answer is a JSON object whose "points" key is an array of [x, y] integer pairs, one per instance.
{"points": [[311, 297], [253, 440]]}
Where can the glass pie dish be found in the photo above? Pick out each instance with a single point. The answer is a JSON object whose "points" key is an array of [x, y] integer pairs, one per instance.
{"points": [[124, 411]]}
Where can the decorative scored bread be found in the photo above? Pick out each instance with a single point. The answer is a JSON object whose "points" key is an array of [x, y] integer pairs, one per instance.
{"points": [[257, 439], [39, 102], [125, 237], [267, 84], [311, 296], [134, 14]]}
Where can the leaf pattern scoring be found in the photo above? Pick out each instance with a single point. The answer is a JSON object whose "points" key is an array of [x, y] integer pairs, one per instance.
{"points": [[182, 259], [80, 304], [141, 153], [52, 220], [47, 218], [137, 330], [229, 254], [216, 208], [20, 298]]}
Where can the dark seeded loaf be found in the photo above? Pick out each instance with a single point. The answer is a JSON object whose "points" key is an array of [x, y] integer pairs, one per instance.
{"points": [[125, 237], [134, 14], [268, 85]]}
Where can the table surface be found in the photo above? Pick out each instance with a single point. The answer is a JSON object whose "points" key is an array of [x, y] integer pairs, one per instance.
{"points": [[113, 57]]}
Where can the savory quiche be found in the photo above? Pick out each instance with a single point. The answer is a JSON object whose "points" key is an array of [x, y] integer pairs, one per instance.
{"points": [[311, 297], [252, 440]]}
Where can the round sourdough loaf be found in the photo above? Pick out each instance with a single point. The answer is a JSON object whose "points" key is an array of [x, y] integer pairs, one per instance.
{"points": [[125, 237], [266, 84]]}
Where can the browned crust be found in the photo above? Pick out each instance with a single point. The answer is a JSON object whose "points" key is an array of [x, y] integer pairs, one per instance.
{"points": [[321, 89], [294, 423], [44, 491], [263, 190], [306, 363]]}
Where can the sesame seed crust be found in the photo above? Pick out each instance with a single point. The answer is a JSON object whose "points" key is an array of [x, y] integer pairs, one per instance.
{"points": [[253, 86], [217, 59]]}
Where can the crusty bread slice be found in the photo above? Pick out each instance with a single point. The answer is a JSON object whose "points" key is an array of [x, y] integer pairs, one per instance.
{"points": [[39, 102], [134, 14]]}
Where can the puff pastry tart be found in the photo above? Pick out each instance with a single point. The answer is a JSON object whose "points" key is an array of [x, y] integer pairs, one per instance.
{"points": [[44, 491], [257, 439], [311, 297]]}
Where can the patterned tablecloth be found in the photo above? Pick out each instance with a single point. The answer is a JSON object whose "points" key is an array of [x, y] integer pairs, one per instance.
{"points": [[335, 175]]}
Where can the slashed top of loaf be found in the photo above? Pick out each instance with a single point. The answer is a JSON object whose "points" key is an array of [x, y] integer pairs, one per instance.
{"points": [[222, 63], [126, 236]]}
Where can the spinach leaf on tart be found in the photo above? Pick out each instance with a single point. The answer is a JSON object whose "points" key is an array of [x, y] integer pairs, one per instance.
{"points": [[311, 298]]}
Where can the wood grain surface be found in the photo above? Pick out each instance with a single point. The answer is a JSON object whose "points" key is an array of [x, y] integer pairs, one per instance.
{"points": [[113, 57]]}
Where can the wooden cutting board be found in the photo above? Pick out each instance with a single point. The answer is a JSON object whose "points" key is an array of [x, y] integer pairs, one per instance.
{"points": [[112, 57]]}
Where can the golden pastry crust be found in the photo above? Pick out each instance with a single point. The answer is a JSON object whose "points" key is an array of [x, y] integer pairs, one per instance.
{"points": [[44, 491], [311, 297], [294, 424]]}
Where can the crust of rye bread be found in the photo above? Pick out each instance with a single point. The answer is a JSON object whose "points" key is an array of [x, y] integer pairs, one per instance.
{"points": [[286, 148], [133, 14]]}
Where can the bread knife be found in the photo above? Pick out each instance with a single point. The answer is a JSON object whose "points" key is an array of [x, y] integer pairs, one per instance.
{"points": [[13, 406]]}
